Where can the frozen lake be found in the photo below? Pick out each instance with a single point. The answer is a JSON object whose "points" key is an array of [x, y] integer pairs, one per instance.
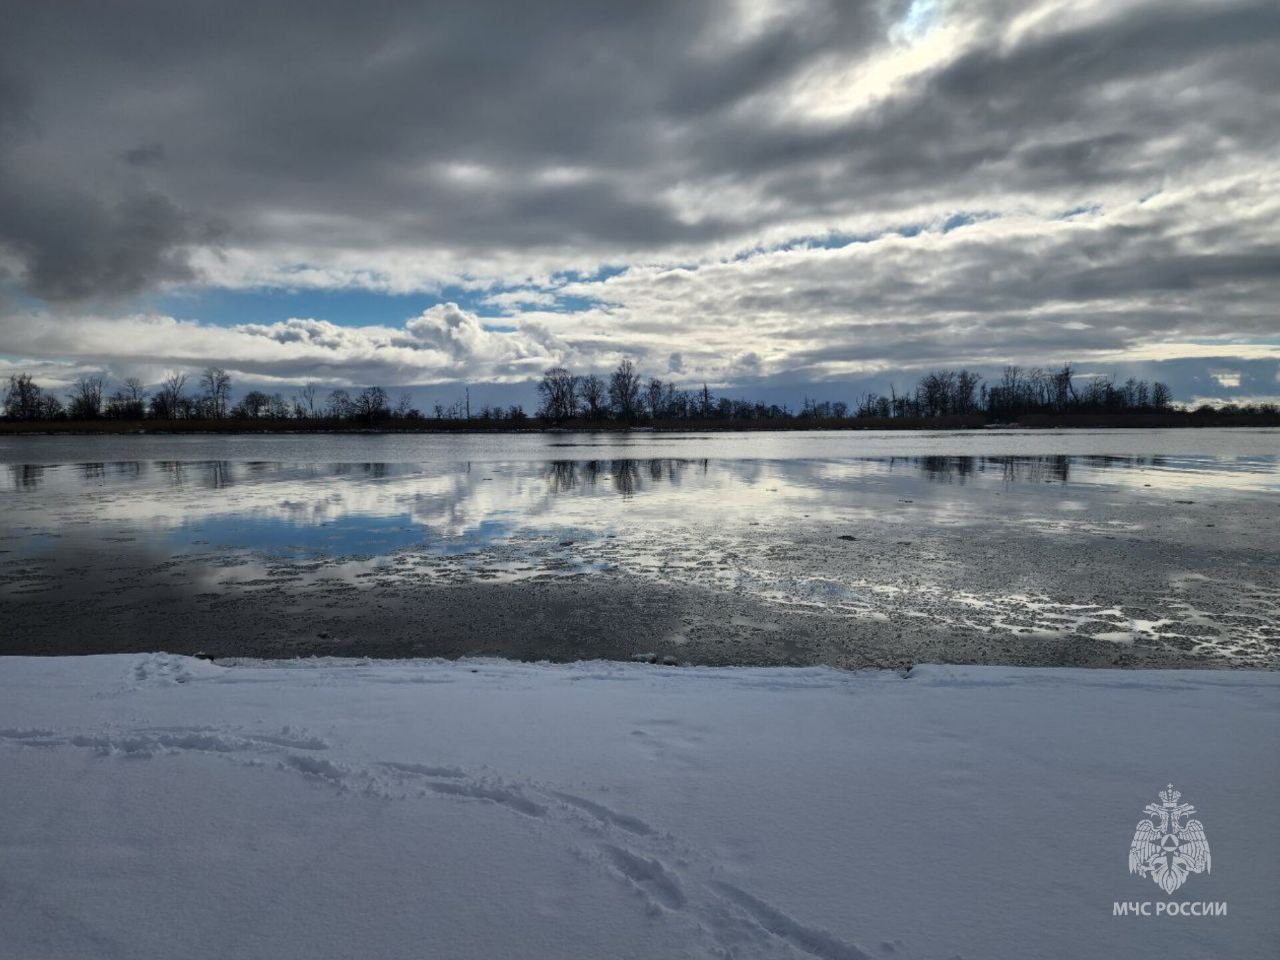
{"points": [[850, 548], [759, 445]]}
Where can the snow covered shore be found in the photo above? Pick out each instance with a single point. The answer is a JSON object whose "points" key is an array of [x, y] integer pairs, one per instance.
{"points": [[158, 806]]}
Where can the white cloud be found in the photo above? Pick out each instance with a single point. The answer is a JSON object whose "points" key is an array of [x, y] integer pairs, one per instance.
{"points": [[1141, 281], [444, 343], [513, 299]]}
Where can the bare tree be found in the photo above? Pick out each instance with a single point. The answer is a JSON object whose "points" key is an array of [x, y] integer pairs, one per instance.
{"points": [[216, 384], [964, 397], [371, 404], [84, 402], [592, 392], [559, 391], [23, 399], [671, 401], [935, 392], [129, 402], [653, 394], [339, 404], [1139, 394], [278, 408], [169, 402], [308, 394], [254, 405], [1063, 391], [624, 391]]}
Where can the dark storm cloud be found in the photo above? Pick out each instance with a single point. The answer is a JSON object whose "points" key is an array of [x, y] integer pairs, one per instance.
{"points": [[346, 114], [76, 245], [276, 116], [72, 242]]}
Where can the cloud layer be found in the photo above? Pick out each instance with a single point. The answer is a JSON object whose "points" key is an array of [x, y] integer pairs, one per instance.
{"points": [[804, 189]]}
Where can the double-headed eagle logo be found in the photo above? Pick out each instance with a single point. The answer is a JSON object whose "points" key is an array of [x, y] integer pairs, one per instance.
{"points": [[1172, 850]]}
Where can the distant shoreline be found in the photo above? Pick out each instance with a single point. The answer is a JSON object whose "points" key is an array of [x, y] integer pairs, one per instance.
{"points": [[1132, 420]]}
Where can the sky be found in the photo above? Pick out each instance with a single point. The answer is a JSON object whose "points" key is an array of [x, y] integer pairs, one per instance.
{"points": [[779, 198]]}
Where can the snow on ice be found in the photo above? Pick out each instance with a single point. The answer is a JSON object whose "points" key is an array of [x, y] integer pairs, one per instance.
{"points": [[158, 806]]}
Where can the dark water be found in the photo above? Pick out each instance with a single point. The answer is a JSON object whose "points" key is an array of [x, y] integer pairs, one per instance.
{"points": [[1165, 551]]}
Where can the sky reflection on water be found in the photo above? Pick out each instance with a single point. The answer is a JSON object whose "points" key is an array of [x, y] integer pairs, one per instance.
{"points": [[294, 510]]}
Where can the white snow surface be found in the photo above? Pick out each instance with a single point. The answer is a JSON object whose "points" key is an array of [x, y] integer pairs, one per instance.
{"points": [[160, 806]]}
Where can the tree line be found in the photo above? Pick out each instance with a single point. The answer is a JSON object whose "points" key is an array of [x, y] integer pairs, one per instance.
{"points": [[207, 397], [629, 397], [625, 397], [1017, 393]]}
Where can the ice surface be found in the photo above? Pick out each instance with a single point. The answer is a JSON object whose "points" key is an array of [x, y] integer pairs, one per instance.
{"points": [[158, 806]]}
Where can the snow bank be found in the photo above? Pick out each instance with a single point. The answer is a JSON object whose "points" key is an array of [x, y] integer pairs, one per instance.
{"points": [[156, 806]]}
